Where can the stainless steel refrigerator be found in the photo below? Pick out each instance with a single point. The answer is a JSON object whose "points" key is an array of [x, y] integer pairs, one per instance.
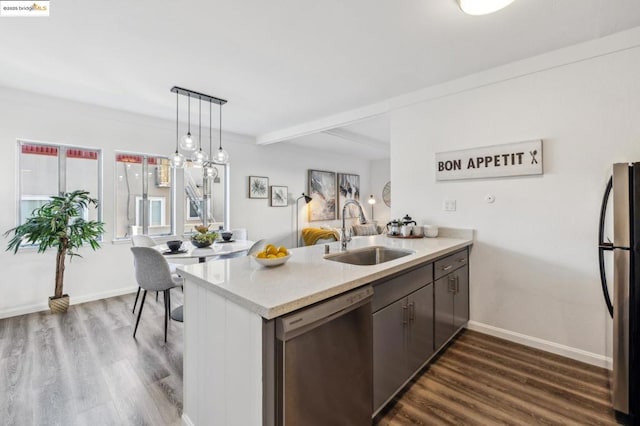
{"points": [[625, 308]]}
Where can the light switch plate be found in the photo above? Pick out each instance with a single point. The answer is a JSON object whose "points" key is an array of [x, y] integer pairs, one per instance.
{"points": [[449, 205]]}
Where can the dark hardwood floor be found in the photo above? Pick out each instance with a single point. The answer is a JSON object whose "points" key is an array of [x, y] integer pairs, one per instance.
{"points": [[483, 380], [84, 368]]}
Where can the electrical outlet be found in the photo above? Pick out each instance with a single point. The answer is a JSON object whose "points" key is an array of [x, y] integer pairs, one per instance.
{"points": [[449, 205]]}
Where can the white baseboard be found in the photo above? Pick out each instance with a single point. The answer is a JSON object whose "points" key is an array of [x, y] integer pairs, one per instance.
{"points": [[186, 421], [545, 345], [27, 309]]}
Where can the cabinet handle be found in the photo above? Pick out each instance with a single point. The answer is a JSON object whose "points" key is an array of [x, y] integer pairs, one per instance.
{"points": [[446, 268], [450, 284], [412, 311], [404, 314], [462, 260], [457, 284]]}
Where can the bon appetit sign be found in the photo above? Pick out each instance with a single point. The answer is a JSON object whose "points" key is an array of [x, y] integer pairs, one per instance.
{"points": [[511, 159]]}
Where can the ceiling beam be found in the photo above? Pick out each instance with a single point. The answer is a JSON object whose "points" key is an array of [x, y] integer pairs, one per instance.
{"points": [[322, 124], [624, 40], [358, 139]]}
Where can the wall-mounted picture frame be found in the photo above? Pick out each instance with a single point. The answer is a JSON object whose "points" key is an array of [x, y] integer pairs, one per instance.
{"points": [[258, 187], [348, 189], [322, 189], [279, 196]]}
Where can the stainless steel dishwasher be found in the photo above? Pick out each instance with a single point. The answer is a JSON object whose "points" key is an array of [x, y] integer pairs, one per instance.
{"points": [[324, 362]]}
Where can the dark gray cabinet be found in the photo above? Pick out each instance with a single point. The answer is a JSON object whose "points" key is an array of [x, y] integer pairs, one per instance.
{"points": [[402, 331], [451, 293]]}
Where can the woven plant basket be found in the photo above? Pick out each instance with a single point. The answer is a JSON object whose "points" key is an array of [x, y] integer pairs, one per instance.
{"points": [[59, 305]]}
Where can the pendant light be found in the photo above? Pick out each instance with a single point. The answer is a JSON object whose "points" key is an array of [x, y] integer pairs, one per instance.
{"points": [[222, 156], [210, 172], [177, 159], [186, 143], [199, 157]]}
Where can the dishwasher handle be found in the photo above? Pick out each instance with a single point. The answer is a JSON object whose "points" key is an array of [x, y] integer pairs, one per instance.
{"points": [[302, 321]]}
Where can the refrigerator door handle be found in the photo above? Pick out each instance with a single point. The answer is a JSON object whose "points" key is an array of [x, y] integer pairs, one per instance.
{"points": [[604, 246]]}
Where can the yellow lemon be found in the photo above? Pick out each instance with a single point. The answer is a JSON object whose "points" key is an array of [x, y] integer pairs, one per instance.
{"points": [[272, 250], [261, 255], [281, 254], [268, 246], [282, 249], [271, 256]]}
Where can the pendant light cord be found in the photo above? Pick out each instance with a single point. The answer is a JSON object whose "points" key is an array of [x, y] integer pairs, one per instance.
{"points": [[177, 116], [189, 112], [220, 128], [210, 138], [200, 124]]}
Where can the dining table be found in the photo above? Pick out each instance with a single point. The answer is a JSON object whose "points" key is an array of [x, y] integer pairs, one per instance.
{"points": [[220, 249]]}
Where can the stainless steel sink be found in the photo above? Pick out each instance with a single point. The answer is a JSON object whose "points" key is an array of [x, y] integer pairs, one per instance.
{"points": [[369, 255]]}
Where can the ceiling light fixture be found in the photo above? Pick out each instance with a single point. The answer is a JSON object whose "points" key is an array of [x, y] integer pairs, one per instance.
{"points": [[210, 172], [186, 143], [177, 159], [222, 156], [200, 157], [482, 7]]}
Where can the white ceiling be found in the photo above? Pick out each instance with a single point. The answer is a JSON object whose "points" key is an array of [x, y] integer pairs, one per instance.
{"points": [[281, 62]]}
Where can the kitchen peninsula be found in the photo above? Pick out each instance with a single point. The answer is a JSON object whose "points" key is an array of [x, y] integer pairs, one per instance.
{"points": [[231, 305]]}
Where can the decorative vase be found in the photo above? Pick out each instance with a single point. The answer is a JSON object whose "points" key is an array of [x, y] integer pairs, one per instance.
{"points": [[59, 305]]}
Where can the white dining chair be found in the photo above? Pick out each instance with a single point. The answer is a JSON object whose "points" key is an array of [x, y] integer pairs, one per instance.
{"points": [[240, 234]]}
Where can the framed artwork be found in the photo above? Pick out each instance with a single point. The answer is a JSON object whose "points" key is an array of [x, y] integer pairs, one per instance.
{"points": [[348, 189], [322, 189], [258, 187], [386, 194], [279, 196]]}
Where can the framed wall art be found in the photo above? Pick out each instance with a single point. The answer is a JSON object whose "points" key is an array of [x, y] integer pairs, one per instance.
{"points": [[348, 189], [322, 189], [279, 196], [258, 187]]}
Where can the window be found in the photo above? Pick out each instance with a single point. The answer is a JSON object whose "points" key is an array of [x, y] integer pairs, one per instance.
{"points": [[50, 169], [143, 195], [205, 198], [157, 211]]}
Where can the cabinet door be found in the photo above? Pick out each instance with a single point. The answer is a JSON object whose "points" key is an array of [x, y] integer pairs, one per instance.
{"points": [[420, 336], [389, 345], [461, 299], [443, 305]]}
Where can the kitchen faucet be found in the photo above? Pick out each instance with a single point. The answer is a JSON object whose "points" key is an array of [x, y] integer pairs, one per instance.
{"points": [[343, 232]]}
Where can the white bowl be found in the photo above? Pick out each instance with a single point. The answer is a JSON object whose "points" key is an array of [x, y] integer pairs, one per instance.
{"points": [[430, 231], [272, 262]]}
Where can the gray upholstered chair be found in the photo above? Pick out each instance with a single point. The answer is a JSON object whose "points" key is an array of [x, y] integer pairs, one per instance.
{"points": [[140, 240], [153, 274]]}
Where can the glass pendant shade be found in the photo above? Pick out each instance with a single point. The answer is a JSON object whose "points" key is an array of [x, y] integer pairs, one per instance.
{"points": [[199, 158], [221, 156], [210, 172], [187, 143], [177, 160]]}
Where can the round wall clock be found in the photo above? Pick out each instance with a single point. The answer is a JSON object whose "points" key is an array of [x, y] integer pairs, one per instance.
{"points": [[386, 194]]}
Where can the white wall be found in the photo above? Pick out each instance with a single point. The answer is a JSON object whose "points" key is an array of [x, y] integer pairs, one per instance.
{"points": [[534, 265], [28, 276]]}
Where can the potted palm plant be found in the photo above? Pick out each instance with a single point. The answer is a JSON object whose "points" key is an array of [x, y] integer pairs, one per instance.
{"points": [[58, 223]]}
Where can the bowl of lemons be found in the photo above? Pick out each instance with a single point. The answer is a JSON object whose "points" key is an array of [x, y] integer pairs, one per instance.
{"points": [[272, 255]]}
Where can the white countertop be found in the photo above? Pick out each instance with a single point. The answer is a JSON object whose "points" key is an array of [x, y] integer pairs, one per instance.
{"points": [[307, 277]]}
